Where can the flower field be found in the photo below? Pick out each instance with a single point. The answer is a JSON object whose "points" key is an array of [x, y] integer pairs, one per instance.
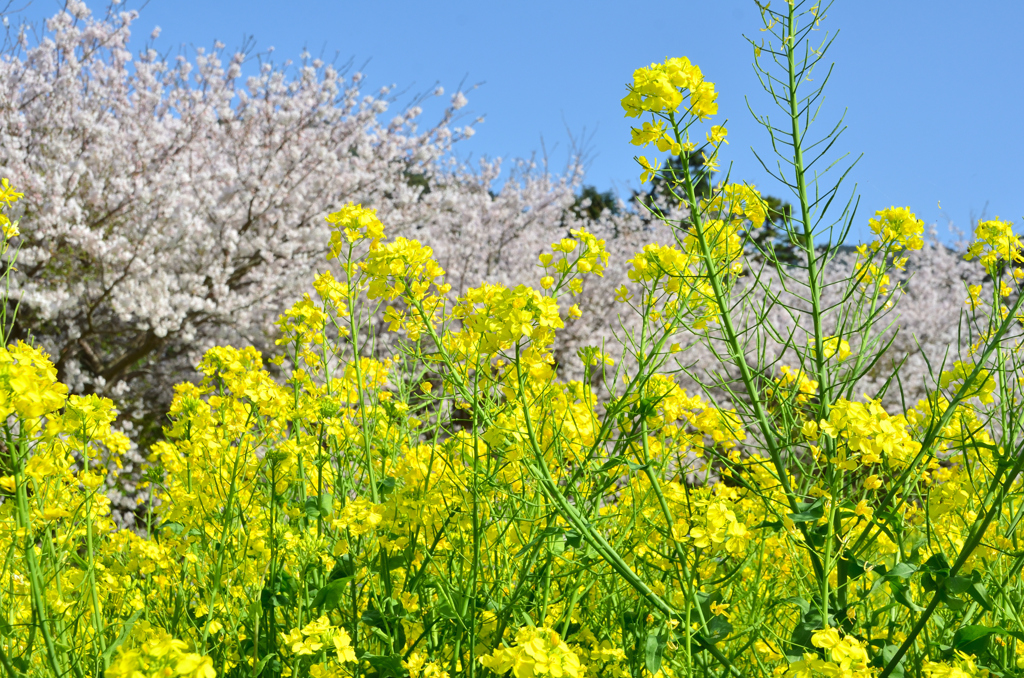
{"points": [[745, 472]]}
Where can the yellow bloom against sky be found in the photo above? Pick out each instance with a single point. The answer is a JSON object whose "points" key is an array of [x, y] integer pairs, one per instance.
{"points": [[932, 90]]}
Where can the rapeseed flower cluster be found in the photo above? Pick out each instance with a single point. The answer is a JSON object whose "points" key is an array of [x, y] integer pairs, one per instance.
{"points": [[674, 86], [834, 347], [898, 228], [160, 655], [537, 652], [982, 387], [738, 201], [8, 196], [495, 318], [673, 275], [399, 266], [870, 435], [897, 231], [592, 256], [845, 657], [995, 244], [662, 88], [351, 224]]}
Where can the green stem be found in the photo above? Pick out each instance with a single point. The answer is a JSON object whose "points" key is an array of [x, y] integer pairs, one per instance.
{"points": [[595, 538], [978, 531], [34, 575]]}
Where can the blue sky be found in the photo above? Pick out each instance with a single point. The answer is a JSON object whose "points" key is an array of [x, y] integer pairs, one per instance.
{"points": [[933, 90]]}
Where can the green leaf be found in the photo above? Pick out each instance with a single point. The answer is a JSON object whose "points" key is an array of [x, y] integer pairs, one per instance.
{"points": [[808, 512], [386, 486], [901, 592], [958, 585], [980, 595], [319, 507], [974, 639], [800, 641], [331, 594], [901, 571], [972, 586], [883, 658], [705, 599], [395, 560], [719, 628], [387, 666], [448, 605], [263, 662], [855, 567], [804, 606], [126, 628], [938, 566], [343, 567], [373, 617], [385, 622], [545, 537], [952, 603], [610, 464], [278, 591], [654, 649]]}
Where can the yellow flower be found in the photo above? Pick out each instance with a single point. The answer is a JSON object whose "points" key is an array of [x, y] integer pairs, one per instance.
{"points": [[650, 170], [537, 652], [354, 224], [591, 355], [195, 665], [159, 655], [400, 268], [496, 318], [8, 195], [983, 387], [717, 135], [667, 143], [770, 651], [720, 609], [995, 242], [833, 346], [10, 228], [55, 513], [648, 133], [962, 666], [973, 296], [897, 226], [872, 482]]}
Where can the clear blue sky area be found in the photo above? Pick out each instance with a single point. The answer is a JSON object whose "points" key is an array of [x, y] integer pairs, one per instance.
{"points": [[933, 90]]}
